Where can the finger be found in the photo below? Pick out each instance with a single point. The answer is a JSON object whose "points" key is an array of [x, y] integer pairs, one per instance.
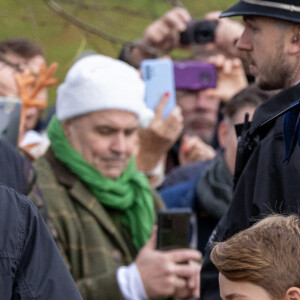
{"points": [[161, 104], [213, 15], [151, 244], [184, 144], [179, 282], [193, 154], [183, 14], [182, 255], [217, 60], [227, 67], [196, 283], [214, 93], [192, 281], [237, 62], [175, 116], [185, 270], [155, 35], [175, 22]]}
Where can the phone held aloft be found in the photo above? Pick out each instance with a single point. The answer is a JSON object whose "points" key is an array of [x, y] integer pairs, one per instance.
{"points": [[195, 75], [173, 228], [199, 32], [158, 75]]}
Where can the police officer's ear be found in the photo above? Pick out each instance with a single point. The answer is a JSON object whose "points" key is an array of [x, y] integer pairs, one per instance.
{"points": [[292, 293], [295, 40]]}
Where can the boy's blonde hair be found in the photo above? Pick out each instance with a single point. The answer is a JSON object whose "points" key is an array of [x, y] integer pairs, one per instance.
{"points": [[266, 254]]}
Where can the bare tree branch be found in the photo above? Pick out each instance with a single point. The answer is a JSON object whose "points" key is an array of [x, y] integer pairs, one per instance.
{"points": [[93, 30], [101, 7], [56, 8]]}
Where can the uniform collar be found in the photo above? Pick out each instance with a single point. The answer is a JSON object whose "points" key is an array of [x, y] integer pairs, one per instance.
{"points": [[274, 106]]}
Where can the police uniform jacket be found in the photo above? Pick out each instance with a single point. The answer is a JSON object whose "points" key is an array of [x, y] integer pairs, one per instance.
{"points": [[264, 185]]}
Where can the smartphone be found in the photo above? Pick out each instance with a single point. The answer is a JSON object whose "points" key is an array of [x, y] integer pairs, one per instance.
{"points": [[195, 75], [158, 75], [10, 115], [173, 228]]}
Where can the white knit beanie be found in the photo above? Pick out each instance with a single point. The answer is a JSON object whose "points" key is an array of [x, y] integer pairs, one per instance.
{"points": [[98, 82]]}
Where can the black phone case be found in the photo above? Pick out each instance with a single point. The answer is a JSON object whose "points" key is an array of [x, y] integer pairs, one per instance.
{"points": [[173, 229]]}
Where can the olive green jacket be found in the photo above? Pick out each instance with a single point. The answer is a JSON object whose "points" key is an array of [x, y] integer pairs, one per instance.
{"points": [[93, 244]]}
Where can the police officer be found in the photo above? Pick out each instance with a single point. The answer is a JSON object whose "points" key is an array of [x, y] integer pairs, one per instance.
{"points": [[268, 160]]}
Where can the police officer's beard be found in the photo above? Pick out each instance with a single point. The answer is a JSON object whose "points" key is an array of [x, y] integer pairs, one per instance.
{"points": [[275, 72]]}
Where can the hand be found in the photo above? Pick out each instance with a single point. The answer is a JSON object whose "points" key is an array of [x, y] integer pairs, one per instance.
{"points": [[193, 149], [227, 33], [158, 138], [161, 36], [231, 77], [163, 273]]}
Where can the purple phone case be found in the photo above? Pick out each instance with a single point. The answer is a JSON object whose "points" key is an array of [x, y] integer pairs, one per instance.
{"points": [[194, 75]]}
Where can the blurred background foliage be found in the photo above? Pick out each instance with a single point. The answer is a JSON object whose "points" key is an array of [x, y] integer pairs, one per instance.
{"points": [[62, 41]]}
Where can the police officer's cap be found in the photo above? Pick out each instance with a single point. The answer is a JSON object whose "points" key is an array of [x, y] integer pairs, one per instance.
{"points": [[288, 10]]}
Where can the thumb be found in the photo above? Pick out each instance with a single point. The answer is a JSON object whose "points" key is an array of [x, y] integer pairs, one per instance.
{"points": [[151, 244]]}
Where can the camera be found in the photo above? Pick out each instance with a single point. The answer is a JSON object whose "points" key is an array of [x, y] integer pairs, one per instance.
{"points": [[199, 32]]}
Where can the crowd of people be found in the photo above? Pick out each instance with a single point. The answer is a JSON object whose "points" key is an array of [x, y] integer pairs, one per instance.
{"points": [[82, 187]]}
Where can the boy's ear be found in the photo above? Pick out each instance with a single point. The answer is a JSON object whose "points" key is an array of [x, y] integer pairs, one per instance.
{"points": [[222, 133], [292, 293]]}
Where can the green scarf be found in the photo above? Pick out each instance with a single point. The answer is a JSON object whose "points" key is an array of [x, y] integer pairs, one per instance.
{"points": [[129, 193]]}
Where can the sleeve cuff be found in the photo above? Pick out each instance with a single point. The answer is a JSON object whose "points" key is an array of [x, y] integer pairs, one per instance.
{"points": [[130, 283]]}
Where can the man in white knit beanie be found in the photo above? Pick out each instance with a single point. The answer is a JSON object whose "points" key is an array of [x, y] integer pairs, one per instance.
{"points": [[102, 207]]}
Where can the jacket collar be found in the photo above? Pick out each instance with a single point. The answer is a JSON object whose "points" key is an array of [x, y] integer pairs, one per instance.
{"points": [[274, 106], [81, 194]]}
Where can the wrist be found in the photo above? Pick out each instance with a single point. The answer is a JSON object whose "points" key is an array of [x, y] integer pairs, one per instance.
{"points": [[135, 52]]}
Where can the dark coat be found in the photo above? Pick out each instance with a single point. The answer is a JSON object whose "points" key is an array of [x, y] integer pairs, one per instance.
{"points": [[17, 172], [265, 184], [30, 263], [208, 194]]}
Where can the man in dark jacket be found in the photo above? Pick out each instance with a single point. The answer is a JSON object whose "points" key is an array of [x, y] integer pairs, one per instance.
{"points": [[263, 183], [31, 265]]}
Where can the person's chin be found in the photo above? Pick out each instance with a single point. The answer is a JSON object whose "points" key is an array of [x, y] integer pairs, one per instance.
{"points": [[113, 172]]}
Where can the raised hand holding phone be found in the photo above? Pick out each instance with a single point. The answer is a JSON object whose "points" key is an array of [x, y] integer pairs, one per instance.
{"points": [[158, 138], [163, 274]]}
